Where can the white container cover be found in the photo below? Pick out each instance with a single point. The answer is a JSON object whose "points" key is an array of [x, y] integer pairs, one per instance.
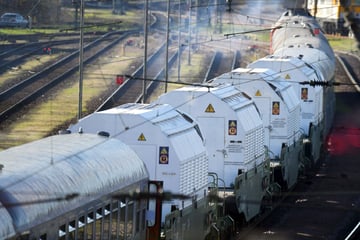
{"points": [[276, 100], [6, 227], [89, 165], [300, 32], [295, 71], [317, 59], [168, 143], [230, 123]]}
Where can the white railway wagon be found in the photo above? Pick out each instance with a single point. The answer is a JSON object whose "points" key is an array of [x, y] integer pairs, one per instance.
{"points": [[299, 32], [169, 143], [234, 139], [279, 108], [300, 36], [296, 71]]}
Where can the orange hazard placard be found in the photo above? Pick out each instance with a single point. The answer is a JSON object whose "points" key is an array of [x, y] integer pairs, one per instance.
{"points": [[232, 129], [304, 94], [163, 155], [275, 108]]}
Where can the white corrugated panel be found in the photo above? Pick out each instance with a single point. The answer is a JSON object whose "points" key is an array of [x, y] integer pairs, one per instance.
{"points": [[6, 226], [254, 133], [193, 161], [314, 57], [232, 96], [193, 174], [187, 144], [249, 118], [287, 94]]}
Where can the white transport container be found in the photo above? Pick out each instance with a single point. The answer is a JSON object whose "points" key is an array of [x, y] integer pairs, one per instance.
{"points": [[304, 39], [234, 138], [325, 68], [297, 32], [168, 143], [295, 71], [279, 107]]}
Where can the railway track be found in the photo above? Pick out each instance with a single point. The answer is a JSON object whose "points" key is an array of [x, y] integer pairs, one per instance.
{"points": [[221, 63], [350, 67], [22, 93], [16, 95], [19, 55], [132, 88]]}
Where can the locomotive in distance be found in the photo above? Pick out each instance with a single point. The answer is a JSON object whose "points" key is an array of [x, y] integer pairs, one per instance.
{"points": [[225, 150]]}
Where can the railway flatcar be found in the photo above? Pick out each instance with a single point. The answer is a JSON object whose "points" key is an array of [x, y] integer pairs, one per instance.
{"points": [[331, 14], [295, 71], [62, 187], [300, 37], [172, 147], [279, 108], [234, 139]]}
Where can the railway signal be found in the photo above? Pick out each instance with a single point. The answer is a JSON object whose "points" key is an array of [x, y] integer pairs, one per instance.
{"points": [[120, 79]]}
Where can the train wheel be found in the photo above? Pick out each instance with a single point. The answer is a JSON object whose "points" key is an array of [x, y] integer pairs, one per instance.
{"points": [[232, 210], [266, 205], [279, 179]]}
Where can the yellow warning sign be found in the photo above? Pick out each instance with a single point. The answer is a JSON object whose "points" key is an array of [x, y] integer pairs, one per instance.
{"points": [[141, 137], [287, 77], [258, 93], [210, 109]]}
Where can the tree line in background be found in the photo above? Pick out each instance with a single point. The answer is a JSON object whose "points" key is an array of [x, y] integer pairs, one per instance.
{"points": [[40, 11], [44, 11]]}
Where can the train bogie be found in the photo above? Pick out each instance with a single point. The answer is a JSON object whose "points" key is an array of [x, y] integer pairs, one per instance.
{"points": [[193, 223], [249, 191], [234, 136]]}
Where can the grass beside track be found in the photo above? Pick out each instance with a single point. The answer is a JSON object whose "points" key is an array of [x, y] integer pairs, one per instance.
{"points": [[344, 44]]}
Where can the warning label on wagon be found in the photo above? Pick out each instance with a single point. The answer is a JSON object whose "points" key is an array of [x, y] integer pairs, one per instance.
{"points": [[232, 129]]}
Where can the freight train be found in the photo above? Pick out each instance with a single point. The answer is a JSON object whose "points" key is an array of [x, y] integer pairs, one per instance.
{"points": [[190, 165]]}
